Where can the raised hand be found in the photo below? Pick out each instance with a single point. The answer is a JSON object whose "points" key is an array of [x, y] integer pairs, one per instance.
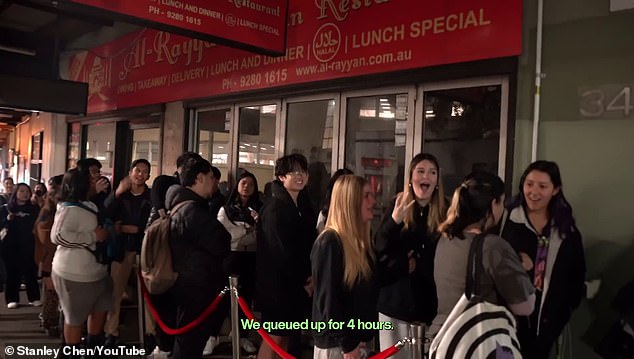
{"points": [[401, 208]]}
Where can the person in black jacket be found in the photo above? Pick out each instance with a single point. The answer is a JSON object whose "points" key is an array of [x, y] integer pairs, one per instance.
{"points": [[200, 245], [285, 238], [217, 200], [18, 247], [542, 230], [405, 245], [129, 207], [343, 269]]}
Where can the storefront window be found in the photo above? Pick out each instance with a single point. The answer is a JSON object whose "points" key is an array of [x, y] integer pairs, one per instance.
{"points": [[375, 144], [256, 142], [309, 132], [74, 144], [100, 144], [462, 129], [145, 144], [214, 138]]}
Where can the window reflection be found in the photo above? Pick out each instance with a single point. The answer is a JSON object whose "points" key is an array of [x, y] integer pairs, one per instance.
{"points": [[213, 138], [309, 132], [256, 142], [100, 144], [145, 144], [375, 144], [462, 129]]}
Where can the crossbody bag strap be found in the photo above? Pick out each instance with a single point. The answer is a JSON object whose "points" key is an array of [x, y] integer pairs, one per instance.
{"points": [[82, 206], [179, 206], [505, 216], [475, 268]]}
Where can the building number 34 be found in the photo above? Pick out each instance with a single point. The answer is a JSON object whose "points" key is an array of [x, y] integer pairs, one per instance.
{"points": [[606, 100]]}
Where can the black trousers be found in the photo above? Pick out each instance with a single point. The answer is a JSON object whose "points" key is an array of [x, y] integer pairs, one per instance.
{"points": [[19, 264], [167, 312], [190, 303]]}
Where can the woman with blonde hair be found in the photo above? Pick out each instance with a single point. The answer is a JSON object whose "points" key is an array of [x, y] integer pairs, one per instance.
{"points": [[405, 245], [344, 279]]}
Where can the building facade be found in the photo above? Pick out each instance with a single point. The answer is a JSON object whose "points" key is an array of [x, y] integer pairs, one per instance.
{"points": [[367, 85]]}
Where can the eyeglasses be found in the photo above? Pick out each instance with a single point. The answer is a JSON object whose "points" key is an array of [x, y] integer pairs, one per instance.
{"points": [[297, 173]]}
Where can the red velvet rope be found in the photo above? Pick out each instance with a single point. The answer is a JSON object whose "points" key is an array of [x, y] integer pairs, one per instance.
{"points": [[185, 328], [263, 333], [387, 352], [245, 308]]}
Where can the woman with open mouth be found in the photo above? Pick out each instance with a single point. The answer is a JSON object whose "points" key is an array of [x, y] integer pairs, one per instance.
{"points": [[405, 245]]}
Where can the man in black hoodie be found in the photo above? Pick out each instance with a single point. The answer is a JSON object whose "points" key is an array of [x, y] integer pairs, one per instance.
{"points": [[200, 245]]}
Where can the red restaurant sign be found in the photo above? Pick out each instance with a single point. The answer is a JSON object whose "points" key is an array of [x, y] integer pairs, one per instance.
{"points": [[259, 25], [326, 39]]}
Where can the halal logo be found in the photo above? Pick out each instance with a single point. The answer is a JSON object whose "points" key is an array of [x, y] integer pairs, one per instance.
{"points": [[230, 20], [326, 42]]}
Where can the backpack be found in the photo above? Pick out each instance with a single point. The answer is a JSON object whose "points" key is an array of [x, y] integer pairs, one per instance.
{"points": [[157, 268]]}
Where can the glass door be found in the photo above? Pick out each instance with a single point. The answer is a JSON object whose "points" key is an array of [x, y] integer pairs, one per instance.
{"points": [[309, 130], [377, 145], [213, 140], [464, 125], [257, 141], [146, 144]]}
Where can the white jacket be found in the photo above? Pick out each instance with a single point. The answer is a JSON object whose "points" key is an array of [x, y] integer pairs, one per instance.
{"points": [[243, 236], [74, 230]]}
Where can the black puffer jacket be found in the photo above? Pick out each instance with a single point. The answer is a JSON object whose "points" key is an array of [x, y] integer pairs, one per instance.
{"points": [[410, 297], [200, 244]]}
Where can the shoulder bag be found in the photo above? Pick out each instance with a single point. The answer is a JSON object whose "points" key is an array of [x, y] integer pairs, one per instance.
{"points": [[476, 328]]}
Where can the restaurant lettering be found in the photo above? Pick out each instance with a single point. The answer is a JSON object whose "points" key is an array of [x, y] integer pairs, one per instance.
{"points": [[340, 8], [254, 5], [326, 40], [191, 50]]}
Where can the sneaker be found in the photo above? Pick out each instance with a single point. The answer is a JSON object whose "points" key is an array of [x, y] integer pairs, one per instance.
{"points": [[149, 343], [157, 353], [36, 303], [111, 341], [12, 305], [210, 345], [247, 346]]}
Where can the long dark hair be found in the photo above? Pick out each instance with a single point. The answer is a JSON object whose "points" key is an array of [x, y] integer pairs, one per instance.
{"points": [[559, 209], [13, 201], [471, 203], [234, 209], [75, 185]]}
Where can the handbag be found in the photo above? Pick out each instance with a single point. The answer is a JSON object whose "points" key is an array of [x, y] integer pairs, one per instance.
{"points": [[476, 328]]}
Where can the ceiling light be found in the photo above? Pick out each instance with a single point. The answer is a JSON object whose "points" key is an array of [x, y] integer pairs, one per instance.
{"points": [[18, 50]]}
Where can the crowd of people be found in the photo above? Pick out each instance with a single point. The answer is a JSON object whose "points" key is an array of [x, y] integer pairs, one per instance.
{"points": [[294, 264]]}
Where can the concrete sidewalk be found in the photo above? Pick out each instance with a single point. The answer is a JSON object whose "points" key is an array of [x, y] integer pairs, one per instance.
{"points": [[21, 325]]}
